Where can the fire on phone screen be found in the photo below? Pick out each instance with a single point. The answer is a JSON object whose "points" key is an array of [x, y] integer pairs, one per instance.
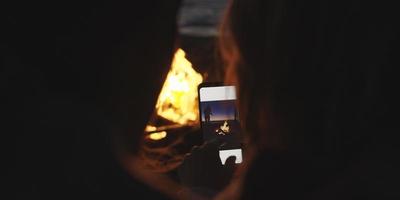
{"points": [[220, 120]]}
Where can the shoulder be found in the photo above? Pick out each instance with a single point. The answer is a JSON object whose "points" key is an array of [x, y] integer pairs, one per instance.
{"points": [[283, 176]]}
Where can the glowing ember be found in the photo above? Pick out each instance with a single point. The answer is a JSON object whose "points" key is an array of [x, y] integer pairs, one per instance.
{"points": [[178, 98], [224, 129], [158, 135], [150, 128]]}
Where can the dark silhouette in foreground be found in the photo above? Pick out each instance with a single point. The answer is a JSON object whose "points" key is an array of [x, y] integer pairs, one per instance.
{"points": [[75, 76], [316, 96]]}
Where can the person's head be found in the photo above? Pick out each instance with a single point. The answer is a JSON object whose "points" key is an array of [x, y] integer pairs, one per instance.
{"points": [[311, 75]]}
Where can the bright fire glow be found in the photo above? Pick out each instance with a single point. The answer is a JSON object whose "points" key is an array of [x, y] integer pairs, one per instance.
{"points": [[178, 98], [158, 135], [150, 128]]}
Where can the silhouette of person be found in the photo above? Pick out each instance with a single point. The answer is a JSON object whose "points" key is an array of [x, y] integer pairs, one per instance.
{"points": [[298, 154], [236, 114], [63, 68], [207, 113]]}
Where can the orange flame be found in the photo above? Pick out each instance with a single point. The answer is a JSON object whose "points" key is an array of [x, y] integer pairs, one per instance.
{"points": [[158, 135], [177, 101]]}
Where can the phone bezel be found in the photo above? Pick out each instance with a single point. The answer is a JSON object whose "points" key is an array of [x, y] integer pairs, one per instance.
{"points": [[211, 84], [203, 85]]}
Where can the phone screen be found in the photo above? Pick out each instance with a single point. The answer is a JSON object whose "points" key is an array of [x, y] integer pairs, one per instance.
{"points": [[219, 119]]}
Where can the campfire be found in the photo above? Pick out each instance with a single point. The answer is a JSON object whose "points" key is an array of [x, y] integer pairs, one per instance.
{"points": [[175, 116], [177, 103]]}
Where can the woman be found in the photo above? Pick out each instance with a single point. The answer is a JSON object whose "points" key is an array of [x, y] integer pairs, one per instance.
{"points": [[315, 87]]}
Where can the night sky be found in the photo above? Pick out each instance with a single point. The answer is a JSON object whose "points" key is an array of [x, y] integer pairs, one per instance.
{"points": [[221, 110]]}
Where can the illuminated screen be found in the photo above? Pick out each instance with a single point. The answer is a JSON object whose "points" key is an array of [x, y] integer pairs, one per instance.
{"points": [[220, 120]]}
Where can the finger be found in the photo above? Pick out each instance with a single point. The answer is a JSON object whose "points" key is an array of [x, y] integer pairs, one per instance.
{"points": [[230, 162]]}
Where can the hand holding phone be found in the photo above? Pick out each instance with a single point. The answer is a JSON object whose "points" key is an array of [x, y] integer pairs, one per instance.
{"points": [[209, 168], [219, 119], [202, 172]]}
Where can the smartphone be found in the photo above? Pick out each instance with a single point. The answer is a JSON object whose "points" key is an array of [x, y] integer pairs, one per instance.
{"points": [[220, 120]]}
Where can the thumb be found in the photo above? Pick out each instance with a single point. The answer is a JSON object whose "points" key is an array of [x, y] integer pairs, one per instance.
{"points": [[230, 161]]}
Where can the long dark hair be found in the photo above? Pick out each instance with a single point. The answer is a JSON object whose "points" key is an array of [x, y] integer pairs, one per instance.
{"points": [[312, 76]]}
